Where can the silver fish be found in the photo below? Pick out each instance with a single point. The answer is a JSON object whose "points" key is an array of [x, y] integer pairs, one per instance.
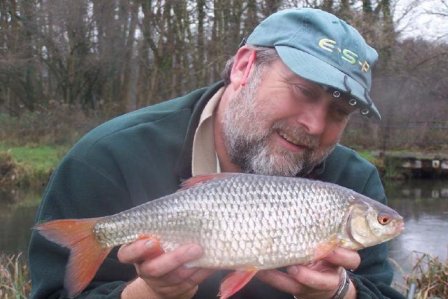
{"points": [[244, 222]]}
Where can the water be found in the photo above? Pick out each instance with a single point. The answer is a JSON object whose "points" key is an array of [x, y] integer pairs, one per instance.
{"points": [[423, 204], [17, 210]]}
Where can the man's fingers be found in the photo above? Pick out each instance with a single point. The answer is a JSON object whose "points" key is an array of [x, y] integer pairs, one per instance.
{"points": [[192, 276], [139, 250], [200, 275], [315, 279], [170, 261], [346, 258], [280, 281]]}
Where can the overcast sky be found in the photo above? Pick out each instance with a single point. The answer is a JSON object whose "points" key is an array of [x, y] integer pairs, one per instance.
{"points": [[420, 21]]}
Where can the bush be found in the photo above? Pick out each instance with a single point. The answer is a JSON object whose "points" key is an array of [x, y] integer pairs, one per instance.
{"points": [[55, 124], [10, 171], [430, 276], [14, 277]]}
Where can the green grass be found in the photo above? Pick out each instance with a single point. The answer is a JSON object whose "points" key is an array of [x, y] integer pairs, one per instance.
{"points": [[368, 155], [39, 158], [28, 165]]}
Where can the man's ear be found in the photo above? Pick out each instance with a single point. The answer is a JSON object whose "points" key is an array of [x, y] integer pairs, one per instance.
{"points": [[242, 66]]}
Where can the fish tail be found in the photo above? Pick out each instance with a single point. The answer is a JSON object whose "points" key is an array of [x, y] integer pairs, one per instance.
{"points": [[86, 253]]}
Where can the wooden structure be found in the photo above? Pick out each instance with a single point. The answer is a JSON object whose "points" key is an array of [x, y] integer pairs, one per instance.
{"points": [[416, 165]]}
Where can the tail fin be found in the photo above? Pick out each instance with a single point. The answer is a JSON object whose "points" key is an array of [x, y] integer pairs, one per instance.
{"points": [[86, 254]]}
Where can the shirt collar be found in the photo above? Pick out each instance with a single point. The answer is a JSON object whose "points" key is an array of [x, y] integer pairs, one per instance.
{"points": [[204, 158]]}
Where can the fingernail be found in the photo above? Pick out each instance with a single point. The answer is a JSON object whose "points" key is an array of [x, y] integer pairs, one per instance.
{"points": [[149, 244], [187, 266], [193, 251]]}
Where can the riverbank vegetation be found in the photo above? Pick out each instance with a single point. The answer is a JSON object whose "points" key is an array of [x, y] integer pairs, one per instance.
{"points": [[32, 144], [14, 277], [27, 166], [430, 276]]}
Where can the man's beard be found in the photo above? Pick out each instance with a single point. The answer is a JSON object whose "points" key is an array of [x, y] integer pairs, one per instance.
{"points": [[248, 146]]}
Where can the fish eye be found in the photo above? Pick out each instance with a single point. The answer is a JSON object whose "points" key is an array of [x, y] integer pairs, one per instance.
{"points": [[383, 219]]}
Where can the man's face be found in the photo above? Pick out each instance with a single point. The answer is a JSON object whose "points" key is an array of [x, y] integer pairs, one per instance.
{"points": [[281, 124]]}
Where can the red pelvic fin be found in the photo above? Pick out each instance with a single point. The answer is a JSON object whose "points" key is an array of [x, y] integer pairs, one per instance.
{"points": [[86, 254], [234, 282], [199, 179]]}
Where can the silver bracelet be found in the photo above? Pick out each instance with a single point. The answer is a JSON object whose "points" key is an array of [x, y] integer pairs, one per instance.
{"points": [[344, 285]]}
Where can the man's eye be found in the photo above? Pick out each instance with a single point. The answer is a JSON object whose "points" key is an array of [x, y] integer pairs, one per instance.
{"points": [[304, 91], [341, 112]]}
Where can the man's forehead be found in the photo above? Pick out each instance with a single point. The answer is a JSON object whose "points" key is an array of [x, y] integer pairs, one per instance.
{"points": [[292, 77]]}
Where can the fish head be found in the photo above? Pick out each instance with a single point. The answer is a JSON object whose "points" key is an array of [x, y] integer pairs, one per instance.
{"points": [[370, 223]]}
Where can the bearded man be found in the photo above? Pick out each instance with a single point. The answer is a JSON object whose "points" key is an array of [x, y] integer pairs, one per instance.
{"points": [[281, 108]]}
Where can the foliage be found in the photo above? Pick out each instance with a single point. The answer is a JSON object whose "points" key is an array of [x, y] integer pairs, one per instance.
{"points": [[372, 158], [120, 55], [33, 143], [9, 172], [430, 276], [56, 124], [71, 60], [27, 166], [38, 157], [14, 277]]}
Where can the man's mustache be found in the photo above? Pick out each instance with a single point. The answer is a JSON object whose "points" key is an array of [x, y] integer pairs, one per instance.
{"points": [[297, 134]]}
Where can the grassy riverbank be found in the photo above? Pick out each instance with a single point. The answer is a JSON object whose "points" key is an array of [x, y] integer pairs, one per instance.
{"points": [[33, 143], [28, 166], [31, 165]]}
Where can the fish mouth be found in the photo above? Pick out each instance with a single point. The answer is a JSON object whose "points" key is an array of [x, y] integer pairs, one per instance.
{"points": [[400, 227]]}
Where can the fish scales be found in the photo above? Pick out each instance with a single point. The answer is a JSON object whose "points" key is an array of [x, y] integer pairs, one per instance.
{"points": [[240, 221]]}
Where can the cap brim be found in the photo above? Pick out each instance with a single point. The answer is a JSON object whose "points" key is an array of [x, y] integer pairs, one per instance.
{"points": [[314, 69]]}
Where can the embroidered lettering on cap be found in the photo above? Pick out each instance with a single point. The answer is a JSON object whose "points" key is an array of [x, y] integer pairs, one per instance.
{"points": [[346, 54]]}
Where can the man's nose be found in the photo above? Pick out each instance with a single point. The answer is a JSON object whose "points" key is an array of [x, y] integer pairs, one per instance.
{"points": [[314, 118]]}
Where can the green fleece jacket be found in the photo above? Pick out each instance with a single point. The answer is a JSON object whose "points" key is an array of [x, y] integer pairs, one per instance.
{"points": [[144, 155]]}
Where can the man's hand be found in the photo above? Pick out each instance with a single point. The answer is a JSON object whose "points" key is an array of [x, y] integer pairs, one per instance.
{"points": [[320, 279], [162, 275]]}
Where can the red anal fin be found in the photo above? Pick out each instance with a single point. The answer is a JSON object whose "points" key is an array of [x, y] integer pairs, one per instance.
{"points": [[86, 253], [234, 282], [199, 179]]}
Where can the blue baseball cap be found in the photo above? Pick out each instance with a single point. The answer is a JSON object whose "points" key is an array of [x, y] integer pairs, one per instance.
{"points": [[324, 49]]}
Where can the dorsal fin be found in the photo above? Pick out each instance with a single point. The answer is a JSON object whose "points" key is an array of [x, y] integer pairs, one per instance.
{"points": [[200, 179]]}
